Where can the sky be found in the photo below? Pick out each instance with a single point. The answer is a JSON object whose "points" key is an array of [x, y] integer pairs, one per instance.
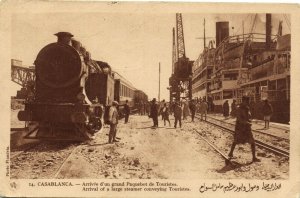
{"points": [[133, 44]]}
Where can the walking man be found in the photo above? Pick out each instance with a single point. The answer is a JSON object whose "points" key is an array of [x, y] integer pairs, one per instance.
{"points": [[243, 133], [113, 118], [126, 111], [267, 112], [154, 112], [177, 114]]}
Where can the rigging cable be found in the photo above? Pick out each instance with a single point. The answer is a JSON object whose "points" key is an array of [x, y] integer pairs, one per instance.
{"points": [[242, 25], [254, 23], [287, 21]]}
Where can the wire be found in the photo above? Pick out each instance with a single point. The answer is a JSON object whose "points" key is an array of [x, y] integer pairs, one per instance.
{"points": [[242, 25], [254, 23], [250, 23], [287, 21]]}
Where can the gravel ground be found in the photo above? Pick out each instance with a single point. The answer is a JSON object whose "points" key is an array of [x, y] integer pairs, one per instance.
{"points": [[270, 167], [41, 161], [144, 153]]}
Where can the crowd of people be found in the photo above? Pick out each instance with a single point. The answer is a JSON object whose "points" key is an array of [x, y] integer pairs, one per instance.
{"points": [[181, 110]]}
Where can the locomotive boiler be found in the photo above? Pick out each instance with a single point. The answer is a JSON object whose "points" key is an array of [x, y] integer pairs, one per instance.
{"points": [[69, 93]]}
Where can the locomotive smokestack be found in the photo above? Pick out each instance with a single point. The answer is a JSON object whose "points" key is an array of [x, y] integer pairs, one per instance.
{"points": [[64, 37], [222, 31]]}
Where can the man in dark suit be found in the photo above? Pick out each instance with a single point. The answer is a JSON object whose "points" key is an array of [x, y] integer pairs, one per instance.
{"points": [[154, 112], [126, 111]]}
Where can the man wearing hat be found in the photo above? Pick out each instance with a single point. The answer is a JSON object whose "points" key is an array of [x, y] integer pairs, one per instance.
{"points": [[243, 133], [177, 114], [126, 111], [113, 117], [154, 112]]}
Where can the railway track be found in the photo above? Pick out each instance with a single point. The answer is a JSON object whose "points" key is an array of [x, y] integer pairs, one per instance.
{"points": [[260, 123], [42, 159], [65, 160], [253, 130], [271, 148], [271, 125], [227, 160], [13, 156]]}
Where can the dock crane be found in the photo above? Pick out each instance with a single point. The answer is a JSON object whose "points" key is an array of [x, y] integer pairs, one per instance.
{"points": [[181, 79]]}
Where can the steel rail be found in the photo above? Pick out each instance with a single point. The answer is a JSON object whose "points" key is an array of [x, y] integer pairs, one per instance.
{"points": [[227, 160], [65, 160], [25, 150], [254, 130], [259, 122], [272, 126], [261, 144]]}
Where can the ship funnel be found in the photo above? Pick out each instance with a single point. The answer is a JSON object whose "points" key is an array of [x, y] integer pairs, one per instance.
{"points": [[268, 30], [222, 31]]}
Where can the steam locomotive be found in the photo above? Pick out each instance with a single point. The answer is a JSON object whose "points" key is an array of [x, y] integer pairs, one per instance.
{"points": [[72, 92], [69, 89]]}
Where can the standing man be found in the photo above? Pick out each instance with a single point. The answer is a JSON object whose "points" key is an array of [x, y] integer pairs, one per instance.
{"points": [[154, 112], [226, 109], [113, 118], [185, 109], [267, 112], [233, 108], [203, 109], [177, 114], [126, 111], [192, 107], [243, 133], [165, 114], [161, 106]]}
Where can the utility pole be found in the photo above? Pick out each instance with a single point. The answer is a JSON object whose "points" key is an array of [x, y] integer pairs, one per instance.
{"points": [[243, 31], [204, 35], [159, 82]]}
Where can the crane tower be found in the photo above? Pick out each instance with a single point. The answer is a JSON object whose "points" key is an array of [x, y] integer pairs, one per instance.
{"points": [[180, 80]]}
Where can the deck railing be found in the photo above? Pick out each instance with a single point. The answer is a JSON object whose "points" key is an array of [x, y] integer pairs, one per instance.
{"points": [[241, 38]]}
